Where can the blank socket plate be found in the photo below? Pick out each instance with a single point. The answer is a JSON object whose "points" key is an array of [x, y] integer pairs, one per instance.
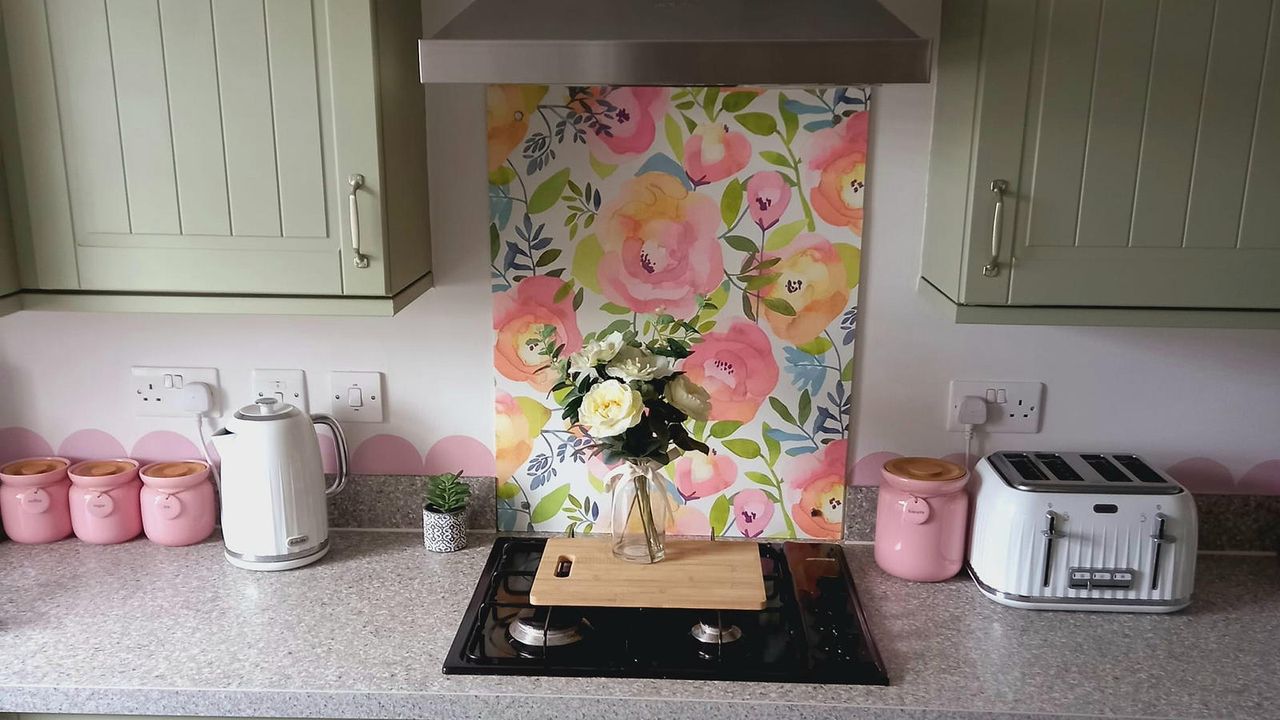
{"points": [[286, 385], [1012, 407], [356, 396], [154, 396]]}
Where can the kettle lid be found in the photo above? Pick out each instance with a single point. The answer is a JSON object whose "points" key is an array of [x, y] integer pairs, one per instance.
{"points": [[267, 408]]}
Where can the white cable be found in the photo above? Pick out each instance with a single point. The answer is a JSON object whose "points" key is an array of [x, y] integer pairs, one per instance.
{"points": [[968, 445], [204, 451]]}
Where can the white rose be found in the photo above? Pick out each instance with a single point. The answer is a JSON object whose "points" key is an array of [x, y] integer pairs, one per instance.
{"points": [[689, 397], [633, 364], [594, 353], [610, 408]]}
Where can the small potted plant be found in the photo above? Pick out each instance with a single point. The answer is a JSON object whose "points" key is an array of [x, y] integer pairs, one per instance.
{"points": [[444, 516]]}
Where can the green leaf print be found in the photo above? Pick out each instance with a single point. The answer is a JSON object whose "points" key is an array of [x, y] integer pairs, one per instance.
{"points": [[719, 515], [550, 504], [731, 202], [546, 195], [758, 123], [736, 101], [780, 306], [746, 449], [783, 235], [725, 428], [675, 137]]}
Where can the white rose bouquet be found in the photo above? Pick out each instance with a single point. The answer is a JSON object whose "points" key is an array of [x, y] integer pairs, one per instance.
{"points": [[632, 401]]}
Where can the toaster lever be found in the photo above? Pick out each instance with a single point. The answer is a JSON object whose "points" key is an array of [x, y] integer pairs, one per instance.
{"points": [[1050, 534], [1158, 541]]}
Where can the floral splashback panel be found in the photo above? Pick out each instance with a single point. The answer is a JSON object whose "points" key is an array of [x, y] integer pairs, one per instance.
{"points": [[727, 217]]}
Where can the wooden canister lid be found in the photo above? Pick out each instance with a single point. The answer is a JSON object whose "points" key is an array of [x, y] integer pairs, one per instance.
{"points": [[175, 469], [103, 468], [33, 466], [924, 468]]}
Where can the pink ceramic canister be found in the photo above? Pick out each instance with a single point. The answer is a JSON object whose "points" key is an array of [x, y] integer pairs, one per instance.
{"points": [[922, 518], [179, 504], [33, 499], [104, 500]]}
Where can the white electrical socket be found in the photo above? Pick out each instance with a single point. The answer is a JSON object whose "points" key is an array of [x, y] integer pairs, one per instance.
{"points": [[1012, 407], [157, 391], [356, 396], [288, 386]]}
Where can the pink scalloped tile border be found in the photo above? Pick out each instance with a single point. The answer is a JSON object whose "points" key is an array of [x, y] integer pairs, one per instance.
{"points": [[389, 454]]}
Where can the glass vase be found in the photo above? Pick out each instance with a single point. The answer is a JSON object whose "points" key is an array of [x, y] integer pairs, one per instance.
{"points": [[641, 509]]}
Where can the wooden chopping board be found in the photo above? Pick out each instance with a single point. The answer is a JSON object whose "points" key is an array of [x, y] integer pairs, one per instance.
{"points": [[696, 574]]}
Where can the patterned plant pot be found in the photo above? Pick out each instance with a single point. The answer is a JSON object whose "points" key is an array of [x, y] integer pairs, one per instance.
{"points": [[444, 532]]}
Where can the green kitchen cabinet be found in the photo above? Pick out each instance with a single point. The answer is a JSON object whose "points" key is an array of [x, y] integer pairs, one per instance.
{"points": [[9, 285], [233, 156], [1106, 162]]}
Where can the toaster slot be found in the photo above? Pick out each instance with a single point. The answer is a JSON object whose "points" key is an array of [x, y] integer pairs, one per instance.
{"points": [[1139, 469], [1058, 467], [1106, 468], [1025, 468]]}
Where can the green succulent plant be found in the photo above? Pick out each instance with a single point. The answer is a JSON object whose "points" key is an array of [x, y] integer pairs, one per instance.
{"points": [[447, 493]]}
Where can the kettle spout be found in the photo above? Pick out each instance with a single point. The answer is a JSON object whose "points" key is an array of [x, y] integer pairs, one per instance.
{"points": [[223, 441]]}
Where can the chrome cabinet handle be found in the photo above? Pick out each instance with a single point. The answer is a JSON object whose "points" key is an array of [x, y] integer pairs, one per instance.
{"points": [[992, 268], [356, 182]]}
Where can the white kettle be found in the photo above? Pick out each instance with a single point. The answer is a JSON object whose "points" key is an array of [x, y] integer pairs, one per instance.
{"points": [[274, 515]]}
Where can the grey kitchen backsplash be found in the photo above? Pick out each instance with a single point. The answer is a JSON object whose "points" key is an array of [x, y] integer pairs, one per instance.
{"points": [[1227, 522]]}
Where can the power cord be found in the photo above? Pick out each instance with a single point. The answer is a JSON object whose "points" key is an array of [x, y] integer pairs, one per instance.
{"points": [[197, 399], [972, 412]]}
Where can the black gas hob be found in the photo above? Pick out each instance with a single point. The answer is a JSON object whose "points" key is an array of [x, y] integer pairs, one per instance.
{"points": [[811, 630]]}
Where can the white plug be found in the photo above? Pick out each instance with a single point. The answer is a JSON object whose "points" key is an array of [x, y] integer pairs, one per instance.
{"points": [[972, 411], [196, 398]]}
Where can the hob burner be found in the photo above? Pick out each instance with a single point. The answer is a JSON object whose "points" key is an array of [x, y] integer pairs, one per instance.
{"points": [[538, 630], [713, 633]]}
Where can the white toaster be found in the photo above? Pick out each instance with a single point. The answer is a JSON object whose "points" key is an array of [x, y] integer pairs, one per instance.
{"points": [[1081, 531]]}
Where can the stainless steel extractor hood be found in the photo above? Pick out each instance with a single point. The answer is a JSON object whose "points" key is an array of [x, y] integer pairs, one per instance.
{"points": [[675, 42]]}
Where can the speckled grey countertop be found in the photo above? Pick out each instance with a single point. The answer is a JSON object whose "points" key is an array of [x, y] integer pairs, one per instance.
{"points": [[142, 629]]}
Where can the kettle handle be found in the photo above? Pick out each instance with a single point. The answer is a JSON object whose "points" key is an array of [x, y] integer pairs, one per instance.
{"points": [[340, 442]]}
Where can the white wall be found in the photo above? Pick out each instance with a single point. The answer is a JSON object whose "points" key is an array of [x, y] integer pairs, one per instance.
{"points": [[1170, 394]]}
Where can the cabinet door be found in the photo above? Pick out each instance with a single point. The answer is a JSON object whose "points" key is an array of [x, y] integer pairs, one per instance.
{"points": [[197, 142], [1150, 165]]}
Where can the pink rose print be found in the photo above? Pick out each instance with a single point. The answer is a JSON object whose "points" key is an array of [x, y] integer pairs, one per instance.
{"points": [[812, 279], [838, 159], [767, 198], [660, 249], [737, 368], [714, 152], [512, 436], [634, 128], [752, 511], [818, 479], [688, 520], [519, 315], [699, 475]]}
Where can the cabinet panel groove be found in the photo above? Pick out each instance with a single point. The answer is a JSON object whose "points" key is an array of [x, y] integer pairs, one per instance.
{"points": [[292, 58], [1226, 123], [142, 102], [1260, 214], [1120, 89], [248, 127], [195, 107], [1180, 57]]}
